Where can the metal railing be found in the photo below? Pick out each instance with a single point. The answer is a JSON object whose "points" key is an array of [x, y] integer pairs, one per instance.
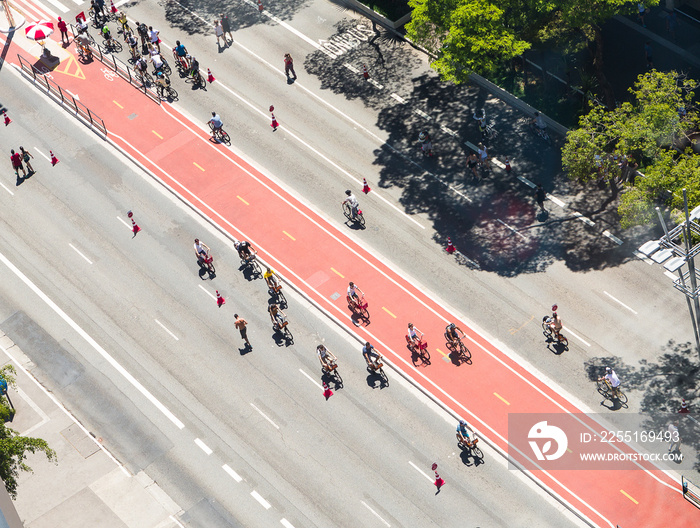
{"points": [[120, 68], [67, 99]]}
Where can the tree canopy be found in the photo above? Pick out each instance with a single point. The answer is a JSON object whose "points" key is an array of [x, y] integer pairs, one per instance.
{"points": [[654, 131]]}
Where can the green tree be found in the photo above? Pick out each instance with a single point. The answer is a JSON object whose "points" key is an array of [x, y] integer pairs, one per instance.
{"points": [[653, 130], [13, 447], [480, 35]]}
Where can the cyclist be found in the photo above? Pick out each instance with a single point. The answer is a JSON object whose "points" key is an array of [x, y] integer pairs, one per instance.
{"points": [[181, 52], [157, 61], [426, 143], [84, 46], [133, 44], [216, 125], [161, 81], [141, 66], [123, 21], [82, 26], [463, 433], [538, 121], [277, 316], [480, 117], [326, 357], [371, 356], [352, 293], [415, 335], [201, 250], [143, 33], [194, 67], [272, 279], [352, 202], [451, 331], [555, 322], [612, 380], [106, 34], [245, 250]]}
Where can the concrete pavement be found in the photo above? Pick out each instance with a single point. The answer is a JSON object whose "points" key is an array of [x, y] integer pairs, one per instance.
{"points": [[87, 486]]}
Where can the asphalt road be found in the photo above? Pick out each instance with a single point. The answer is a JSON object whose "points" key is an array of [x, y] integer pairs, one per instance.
{"points": [[356, 458]]}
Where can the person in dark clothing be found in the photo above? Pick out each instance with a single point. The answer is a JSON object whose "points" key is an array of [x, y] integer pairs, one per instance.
{"points": [[540, 197]]}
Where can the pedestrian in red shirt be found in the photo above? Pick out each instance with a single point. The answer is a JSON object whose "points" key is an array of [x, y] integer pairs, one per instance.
{"points": [[64, 30], [289, 65], [17, 163]]}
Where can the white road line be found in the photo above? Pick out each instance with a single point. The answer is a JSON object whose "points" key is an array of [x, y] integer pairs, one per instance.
{"points": [[232, 473], [177, 522], [375, 83], [130, 228], [286, 523], [58, 5], [612, 237], [79, 253], [101, 351], [584, 219], [79, 2], [421, 113], [262, 501], [556, 201], [448, 131], [312, 380], [642, 256], [44, 417], [204, 447], [512, 229], [351, 68], [164, 328], [44, 12], [40, 152], [208, 292], [671, 275], [568, 331], [526, 181], [620, 302], [421, 471], [66, 411], [264, 416], [8, 190], [498, 163], [398, 98], [375, 513]]}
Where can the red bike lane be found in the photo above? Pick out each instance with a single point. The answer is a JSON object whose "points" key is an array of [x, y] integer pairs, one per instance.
{"points": [[320, 259]]}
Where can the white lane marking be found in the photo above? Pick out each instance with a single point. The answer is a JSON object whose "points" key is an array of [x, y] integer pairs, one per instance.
{"points": [[79, 2], [164, 328], [375, 83], [419, 470], [204, 447], [75, 96], [620, 302], [612, 237], [79, 253], [8, 190], [232, 473], [671, 276], [177, 522], [584, 219], [58, 5], [260, 499], [312, 380], [66, 411], [44, 12], [526, 181], [130, 228], [398, 98], [286, 523], [421, 113], [351, 68], [44, 417], [642, 256], [556, 201], [498, 163], [512, 229], [447, 130], [101, 351], [375, 513], [208, 292], [40, 152], [264, 416], [568, 331]]}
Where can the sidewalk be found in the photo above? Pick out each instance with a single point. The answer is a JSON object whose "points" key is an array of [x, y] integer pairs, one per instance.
{"points": [[86, 487]]}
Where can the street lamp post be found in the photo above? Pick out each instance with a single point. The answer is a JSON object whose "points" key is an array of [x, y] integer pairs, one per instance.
{"points": [[675, 250]]}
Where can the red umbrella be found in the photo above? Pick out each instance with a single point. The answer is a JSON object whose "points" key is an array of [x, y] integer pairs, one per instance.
{"points": [[39, 30]]}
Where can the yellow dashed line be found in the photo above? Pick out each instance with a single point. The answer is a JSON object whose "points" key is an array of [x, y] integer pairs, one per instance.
{"points": [[290, 236], [387, 311], [501, 398], [198, 166], [629, 496], [116, 103], [242, 200], [337, 273], [441, 352], [157, 134]]}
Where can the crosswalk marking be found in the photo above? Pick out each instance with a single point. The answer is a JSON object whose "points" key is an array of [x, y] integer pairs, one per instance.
{"points": [[34, 12], [58, 5]]}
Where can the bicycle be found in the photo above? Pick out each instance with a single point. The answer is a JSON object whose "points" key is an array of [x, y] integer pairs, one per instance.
{"points": [[207, 261], [167, 91], [606, 390], [276, 292], [486, 127], [253, 263], [419, 351], [549, 332], [221, 135], [541, 132], [461, 352], [181, 63], [282, 326], [378, 369], [145, 77], [112, 45], [329, 369], [358, 306], [358, 218], [471, 445], [84, 52]]}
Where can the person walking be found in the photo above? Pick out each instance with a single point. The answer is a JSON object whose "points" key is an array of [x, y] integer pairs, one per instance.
{"points": [[241, 324], [484, 160], [63, 28], [641, 12], [472, 162], [289, 65], [26, 156], [540, 197], [154, 38], [219, 29], [674, 437], [648, 53], [16, 160], [143, 33], [226, 25]]}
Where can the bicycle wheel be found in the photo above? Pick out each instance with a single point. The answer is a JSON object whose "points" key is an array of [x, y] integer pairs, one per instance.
{"points": [[226, 139], [166, 68], [564, 341], [172, 94], [477, 452], [147, 79], [360, 219], [621, 396], [281, 299], [116, 46], [465, 353], [347, 212], [603, 389], [546, 329], [288, 335]]}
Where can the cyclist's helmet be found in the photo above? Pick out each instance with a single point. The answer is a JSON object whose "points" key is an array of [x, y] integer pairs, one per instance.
{"points": [[607, 369], [421, 136], [452, 326], [536, 114], [213, 114], [177, 42], [462, 422], [348, 192]]}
